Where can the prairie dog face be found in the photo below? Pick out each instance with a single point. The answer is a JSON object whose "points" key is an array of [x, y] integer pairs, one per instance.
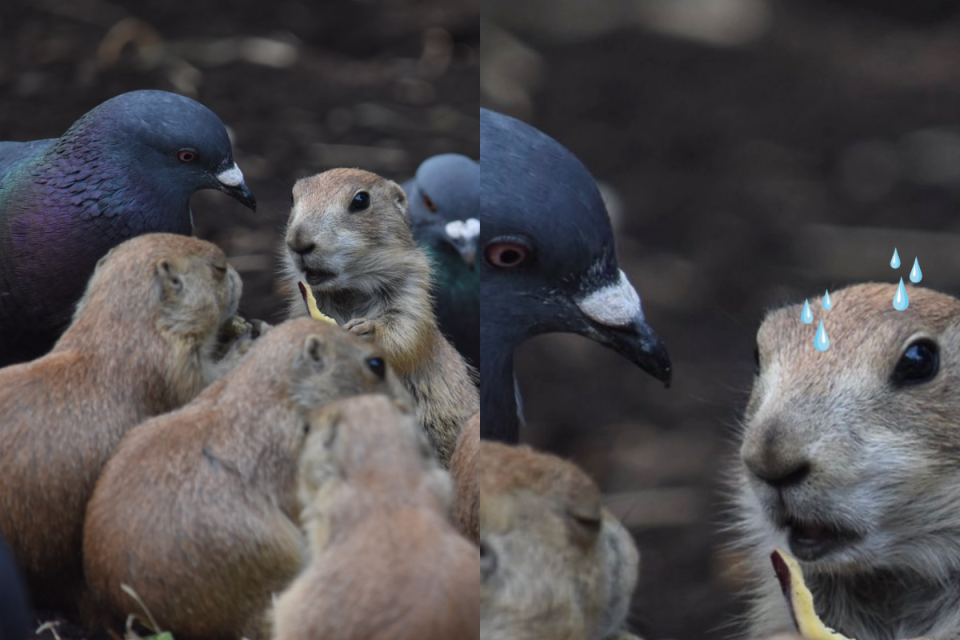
{"points": [[342, 222], [190, 283], [554, 563], [333, 364], [851, 457], [195, 291]]}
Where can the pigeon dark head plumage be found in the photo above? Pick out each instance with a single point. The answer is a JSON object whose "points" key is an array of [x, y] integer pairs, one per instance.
{"points": [[547, 264], [125, 168], [444, 201]]}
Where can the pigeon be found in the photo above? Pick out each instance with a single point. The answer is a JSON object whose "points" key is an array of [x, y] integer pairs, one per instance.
{"points": [[14, 611], [444, 198], [547, 264], [125, 168]]}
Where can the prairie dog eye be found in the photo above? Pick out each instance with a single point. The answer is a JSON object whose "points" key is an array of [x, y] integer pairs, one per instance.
{"points": [[919, 363], [360, 201], [378, 366]]}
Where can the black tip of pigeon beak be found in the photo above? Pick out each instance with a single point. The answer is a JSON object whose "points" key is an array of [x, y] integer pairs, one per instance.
{"points": [[242, 194], [639, 344]]}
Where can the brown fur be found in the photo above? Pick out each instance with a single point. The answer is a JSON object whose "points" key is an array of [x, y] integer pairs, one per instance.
{"points": [[881, 460], [554, 563], [463, 468], [386, 562], [197, 510], [380, 290], [140, 344]]}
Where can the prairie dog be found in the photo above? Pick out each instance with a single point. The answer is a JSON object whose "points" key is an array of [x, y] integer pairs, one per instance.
{"points": [[197, 509], [386, 563], [463, 469], [554, 563], [140, 344], [349, 237], [851, 461]]}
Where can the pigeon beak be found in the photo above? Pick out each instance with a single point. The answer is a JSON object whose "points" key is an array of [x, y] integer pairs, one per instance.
{"points": [[230, 181], [639, 344], [463, 237], [615, 320]]}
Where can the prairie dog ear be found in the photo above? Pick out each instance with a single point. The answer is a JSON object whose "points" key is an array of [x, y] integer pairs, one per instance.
{"points": [[313, 355], [318, 464], [584, 516], [399, 197], [103, 260], [330, 428], [168, 278], [321, 427]]}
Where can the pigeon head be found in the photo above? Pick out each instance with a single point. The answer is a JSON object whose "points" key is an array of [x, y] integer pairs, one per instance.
{"points": [[172, 140], [547, 255], [444, 199]]}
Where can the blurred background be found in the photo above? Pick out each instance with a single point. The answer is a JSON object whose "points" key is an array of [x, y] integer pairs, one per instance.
{"points": [[302, 86], [753, 153]]}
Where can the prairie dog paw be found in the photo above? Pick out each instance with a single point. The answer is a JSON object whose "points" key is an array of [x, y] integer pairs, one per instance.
{"points": [[362, 327], [258, 328]]}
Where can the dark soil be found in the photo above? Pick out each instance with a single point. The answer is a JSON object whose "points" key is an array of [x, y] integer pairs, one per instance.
{"points": [[750, 176], [379, 85]]}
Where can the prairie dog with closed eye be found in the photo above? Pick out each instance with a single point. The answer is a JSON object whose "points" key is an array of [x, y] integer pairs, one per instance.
{"points": [[554, 562], [349, 238]]}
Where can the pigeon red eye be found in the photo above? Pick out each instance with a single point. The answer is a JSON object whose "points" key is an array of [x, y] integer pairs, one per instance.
{"points": [[429, 203], [185, 155], [507, 255]]}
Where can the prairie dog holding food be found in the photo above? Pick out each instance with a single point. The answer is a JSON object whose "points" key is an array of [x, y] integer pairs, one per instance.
{"points": [[349, 237], [197, 510], [140, 344], [386, 563], [554, 563], [851, 461]]}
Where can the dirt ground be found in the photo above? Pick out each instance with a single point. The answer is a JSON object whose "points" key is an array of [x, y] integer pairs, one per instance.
{"points": [[376, 84], [752, 168]]}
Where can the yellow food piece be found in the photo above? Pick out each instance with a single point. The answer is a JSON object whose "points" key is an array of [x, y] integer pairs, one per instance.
{"points": [[800, 599], [311, 303]]}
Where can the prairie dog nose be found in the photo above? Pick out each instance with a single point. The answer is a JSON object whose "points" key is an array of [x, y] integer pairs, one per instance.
{"points": [[299, 242], [776, 458]]}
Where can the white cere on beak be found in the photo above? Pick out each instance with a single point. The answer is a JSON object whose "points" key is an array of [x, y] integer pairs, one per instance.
{"points": [[460, 230], [616, 305], [232, 177]]}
